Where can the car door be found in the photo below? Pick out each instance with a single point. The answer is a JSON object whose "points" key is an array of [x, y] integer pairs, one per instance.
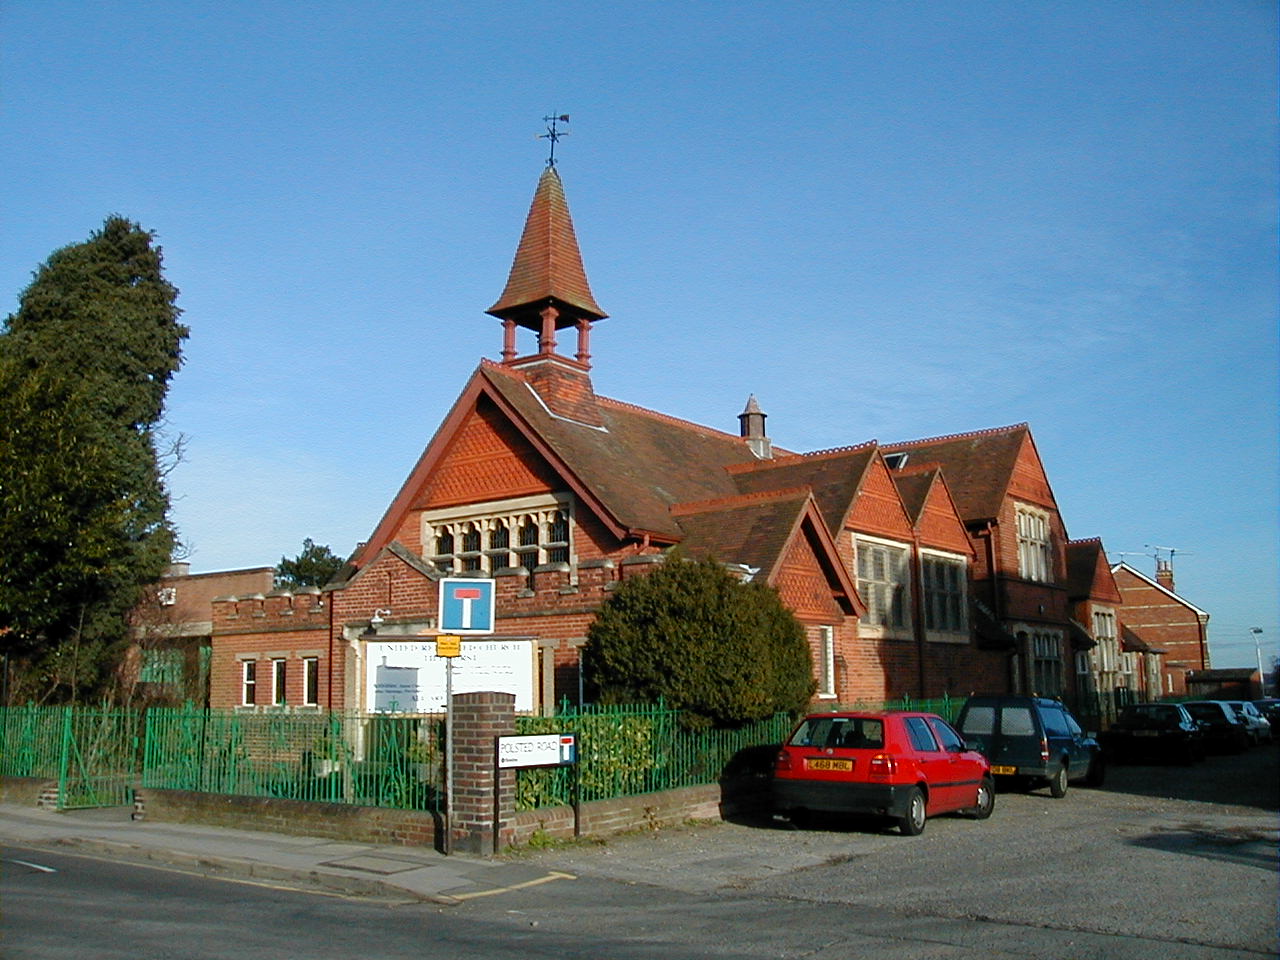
{"points": [[933, 763], [966, 766], [1066, 739]]}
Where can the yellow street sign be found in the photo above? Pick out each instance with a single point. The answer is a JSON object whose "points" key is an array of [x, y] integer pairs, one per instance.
{"points": [[448, 646]]}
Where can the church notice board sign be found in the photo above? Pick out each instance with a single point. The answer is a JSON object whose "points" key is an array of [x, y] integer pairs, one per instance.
{"points": [[408, 676]]}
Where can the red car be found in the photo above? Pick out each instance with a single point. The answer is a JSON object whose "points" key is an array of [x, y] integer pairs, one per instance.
{"points": [[906, 766]]}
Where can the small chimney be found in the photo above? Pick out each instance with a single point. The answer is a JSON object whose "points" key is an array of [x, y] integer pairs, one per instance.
{"points": [[751, 429], [1164, 574]]}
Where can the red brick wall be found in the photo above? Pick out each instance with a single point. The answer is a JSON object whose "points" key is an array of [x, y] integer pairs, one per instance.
{"points": [[277, 625], [1165, 623]]}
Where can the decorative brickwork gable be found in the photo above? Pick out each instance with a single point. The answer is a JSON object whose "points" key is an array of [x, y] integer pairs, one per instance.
{"points": [[488, 459], [932, 511], [878, 509]]}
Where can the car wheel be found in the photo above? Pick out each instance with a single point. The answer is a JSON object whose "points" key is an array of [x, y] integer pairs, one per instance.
{"points": [[912, 822], [986, 800], [1058, 783], [1097, 771]]}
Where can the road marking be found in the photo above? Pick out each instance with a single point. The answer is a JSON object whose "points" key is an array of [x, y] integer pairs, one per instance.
{"points": [[554, 875], [33, 866]]}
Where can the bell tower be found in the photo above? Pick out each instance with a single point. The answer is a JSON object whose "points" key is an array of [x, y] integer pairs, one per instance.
{"points": [[546, 292]]}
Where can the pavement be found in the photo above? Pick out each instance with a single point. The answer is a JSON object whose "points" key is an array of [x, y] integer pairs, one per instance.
{"points": [[313, 864]]}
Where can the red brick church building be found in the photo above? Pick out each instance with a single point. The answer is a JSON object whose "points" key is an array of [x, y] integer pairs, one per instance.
{"points": [[923, 568]]}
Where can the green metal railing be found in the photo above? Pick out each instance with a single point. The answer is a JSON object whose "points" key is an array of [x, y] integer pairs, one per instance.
{"points": [[368, 759], [97, 755], [629, 750], [91, 752]]}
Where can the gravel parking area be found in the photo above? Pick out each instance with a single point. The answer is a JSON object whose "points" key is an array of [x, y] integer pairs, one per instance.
{"points": [[1182, 855]]}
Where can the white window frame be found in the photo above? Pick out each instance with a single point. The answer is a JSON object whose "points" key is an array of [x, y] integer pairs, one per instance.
{"points": [[880, 596], [826, 663], [248, 683], [279, 681], [543, 514], [1035, 543], [930, 595], [310, 679], [1105, 633]]}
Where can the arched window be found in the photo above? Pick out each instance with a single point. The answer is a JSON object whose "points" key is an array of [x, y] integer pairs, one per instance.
{"points": [[444, 549], [499, 546], [558, 538], [471, 559]]}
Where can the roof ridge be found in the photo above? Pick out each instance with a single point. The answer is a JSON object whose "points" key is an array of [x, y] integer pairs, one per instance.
{"points": [[791, 459], [1082, 540], [654, 414], [913, 470], [487, 364], [988, 432], [739, 499]]}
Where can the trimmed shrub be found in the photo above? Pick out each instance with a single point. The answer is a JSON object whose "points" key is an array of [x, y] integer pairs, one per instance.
{"points": [[694, 636]]}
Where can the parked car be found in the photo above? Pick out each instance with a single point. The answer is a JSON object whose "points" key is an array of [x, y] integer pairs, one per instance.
{"points": [[1155, 731], [1256, 725], [1031, 741], [901, 765], [1269, 707], [1224, 732]]}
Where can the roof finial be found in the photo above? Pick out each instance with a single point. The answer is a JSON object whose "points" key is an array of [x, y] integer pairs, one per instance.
{"points": [[554, 134]]}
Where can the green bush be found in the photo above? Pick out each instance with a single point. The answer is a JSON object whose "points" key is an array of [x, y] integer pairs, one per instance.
{"points": [[694, 636]]}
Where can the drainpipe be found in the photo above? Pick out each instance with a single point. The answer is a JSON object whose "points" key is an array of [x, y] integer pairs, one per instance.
{"points": [[917, 606]]}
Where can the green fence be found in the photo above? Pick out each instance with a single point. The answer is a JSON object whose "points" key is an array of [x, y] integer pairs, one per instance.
{"points": [[92, 753], [628, 750], [97, 755], [368, 759]]}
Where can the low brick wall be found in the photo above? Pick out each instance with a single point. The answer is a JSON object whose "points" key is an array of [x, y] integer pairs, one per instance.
{"points": [[649, 811], [335, 821]]}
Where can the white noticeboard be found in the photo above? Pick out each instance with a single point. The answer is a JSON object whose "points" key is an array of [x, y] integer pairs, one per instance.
{"points": [[408, 677]]}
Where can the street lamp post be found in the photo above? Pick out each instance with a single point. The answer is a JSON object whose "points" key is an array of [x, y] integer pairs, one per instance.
{"points": [[1257, 649]]}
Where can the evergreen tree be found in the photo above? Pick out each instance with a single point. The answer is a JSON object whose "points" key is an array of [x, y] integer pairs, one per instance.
{"points": [[85, 365], [692, 634], [315, 566]]}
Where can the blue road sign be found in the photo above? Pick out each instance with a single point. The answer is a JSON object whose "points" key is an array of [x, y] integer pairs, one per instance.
{"points": [[466, 605]]}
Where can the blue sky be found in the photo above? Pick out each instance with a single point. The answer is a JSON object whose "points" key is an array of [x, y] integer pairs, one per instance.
{"points": [[886, 220]]}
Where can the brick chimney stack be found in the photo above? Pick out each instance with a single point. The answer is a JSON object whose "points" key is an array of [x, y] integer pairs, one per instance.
{"points": [[1164, 574]]}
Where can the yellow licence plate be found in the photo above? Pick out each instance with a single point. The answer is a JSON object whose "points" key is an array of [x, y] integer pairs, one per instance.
{"points": [[1004, 771], [826, 763]]}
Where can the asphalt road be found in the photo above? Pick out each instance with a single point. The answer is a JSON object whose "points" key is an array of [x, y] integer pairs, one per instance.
{"points": [[1163, 862]]}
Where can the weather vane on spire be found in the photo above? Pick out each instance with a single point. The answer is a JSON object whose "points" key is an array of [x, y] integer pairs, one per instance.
{"points": [[553, 134]]}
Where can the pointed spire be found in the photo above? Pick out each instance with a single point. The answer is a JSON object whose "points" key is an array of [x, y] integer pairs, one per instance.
{"points": [[751, 429], [547, 270]]}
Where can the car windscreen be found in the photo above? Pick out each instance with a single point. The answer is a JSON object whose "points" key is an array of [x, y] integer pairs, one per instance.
{"points": [[844, 732], [1205, 711]]}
